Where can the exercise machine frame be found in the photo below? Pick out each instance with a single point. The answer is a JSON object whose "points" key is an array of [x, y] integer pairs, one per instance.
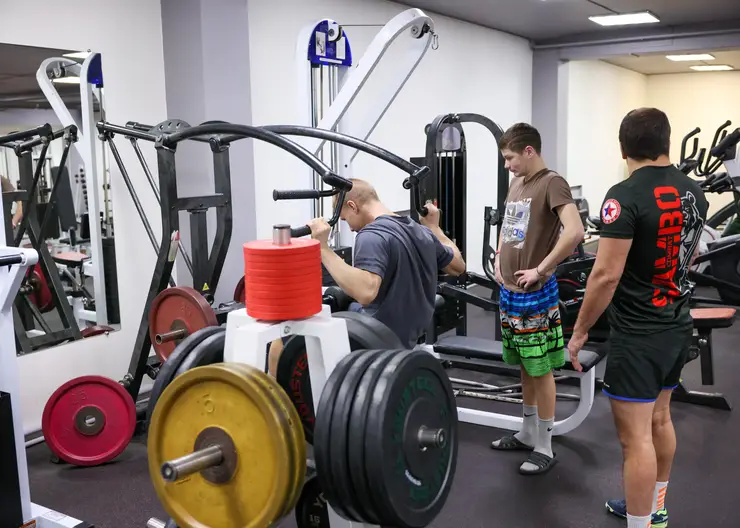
{"points": [[16, 508]]}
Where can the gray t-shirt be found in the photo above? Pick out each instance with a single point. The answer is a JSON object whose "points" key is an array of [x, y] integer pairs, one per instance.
{"points": [[408, 257]]}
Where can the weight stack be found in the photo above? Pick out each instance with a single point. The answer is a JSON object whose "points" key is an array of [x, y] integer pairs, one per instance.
{"points": [[345, 252], [111, 280]]}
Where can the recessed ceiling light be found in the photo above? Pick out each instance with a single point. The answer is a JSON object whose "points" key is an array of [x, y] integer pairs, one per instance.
{"points": [[644, 17], [690, 57], [713, 67], [77, 55], [67, 80]]}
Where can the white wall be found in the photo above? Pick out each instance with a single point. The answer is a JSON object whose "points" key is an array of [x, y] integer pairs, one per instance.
{"points": [[705, 100], [133, 67], [474, 70], [599, 96]]}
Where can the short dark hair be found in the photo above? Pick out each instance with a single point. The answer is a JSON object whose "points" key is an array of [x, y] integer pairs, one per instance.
{"points": [[645, 134], [519, 137]]}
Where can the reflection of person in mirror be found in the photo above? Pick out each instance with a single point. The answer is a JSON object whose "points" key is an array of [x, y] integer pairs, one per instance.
{"points": [[18, 213]]}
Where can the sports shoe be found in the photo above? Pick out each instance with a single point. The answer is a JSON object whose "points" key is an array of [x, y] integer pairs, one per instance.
{"points": [[618, 507]]}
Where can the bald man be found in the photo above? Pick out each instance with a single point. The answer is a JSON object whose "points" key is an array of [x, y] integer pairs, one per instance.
{"points": [[396, 264]]}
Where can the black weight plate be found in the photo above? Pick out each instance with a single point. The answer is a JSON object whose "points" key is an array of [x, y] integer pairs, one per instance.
{"points": [[169, 368], [311, 510], [207, 352], [340, 471], [409, 480], [356, 447], [293, 377], [389, 337], [322, 438], [293, 371]]}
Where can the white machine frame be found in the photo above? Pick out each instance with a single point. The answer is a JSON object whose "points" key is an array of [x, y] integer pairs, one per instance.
{"points": [[327, 343], [91, 152], [514, 423], [409, 24], [10, 281]]}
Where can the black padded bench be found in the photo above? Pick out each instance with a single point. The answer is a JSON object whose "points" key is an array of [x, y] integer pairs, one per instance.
{"points": [[486, 355], [488, 349]]}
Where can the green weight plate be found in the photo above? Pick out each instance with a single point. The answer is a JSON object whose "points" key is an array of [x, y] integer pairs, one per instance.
{"points": [[168, 370], [322, 438], [356, 444], [340, 424], [411, 440]]}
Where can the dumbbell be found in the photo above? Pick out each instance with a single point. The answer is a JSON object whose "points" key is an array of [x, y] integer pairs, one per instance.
{"points": [[337, 299]]}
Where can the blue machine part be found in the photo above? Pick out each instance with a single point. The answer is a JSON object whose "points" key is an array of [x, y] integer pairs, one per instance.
{"points": [[325, 50], [95, 71]]}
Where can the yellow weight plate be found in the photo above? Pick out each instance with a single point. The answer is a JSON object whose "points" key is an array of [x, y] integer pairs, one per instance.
{"points": [[296, 435], [221, 396]]}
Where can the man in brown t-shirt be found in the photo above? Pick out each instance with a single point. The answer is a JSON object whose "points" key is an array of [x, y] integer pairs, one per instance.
{"points": [[538, 206], [8, 187]]}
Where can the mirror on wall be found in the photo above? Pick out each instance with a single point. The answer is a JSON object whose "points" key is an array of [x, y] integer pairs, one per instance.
{"points": [[48, 173]]}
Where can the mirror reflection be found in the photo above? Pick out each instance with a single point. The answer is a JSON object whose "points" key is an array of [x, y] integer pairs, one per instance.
{"points": [[45, 166]]}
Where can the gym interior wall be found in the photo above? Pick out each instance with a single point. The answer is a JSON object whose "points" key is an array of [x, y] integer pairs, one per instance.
{"points": [[134, 74], [464, 74], [600, 94], [705, 100]]}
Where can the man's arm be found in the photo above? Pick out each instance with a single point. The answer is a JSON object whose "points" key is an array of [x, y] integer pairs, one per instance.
{"points": [[570, 237], [456, 266], [359, 284], [602, 283]]}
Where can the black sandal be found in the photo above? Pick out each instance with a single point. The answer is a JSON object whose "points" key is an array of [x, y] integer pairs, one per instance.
{"points": [[543, 462], [510, 443]]}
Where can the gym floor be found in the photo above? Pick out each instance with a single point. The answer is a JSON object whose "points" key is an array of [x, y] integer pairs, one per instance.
{"points": [[488, 492]]}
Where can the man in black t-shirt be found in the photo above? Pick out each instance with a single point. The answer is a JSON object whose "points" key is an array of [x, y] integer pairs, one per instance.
{"points": [[652, 223]]}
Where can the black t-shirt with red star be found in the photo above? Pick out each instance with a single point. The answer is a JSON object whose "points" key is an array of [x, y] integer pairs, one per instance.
{"points": [[663, 211]]}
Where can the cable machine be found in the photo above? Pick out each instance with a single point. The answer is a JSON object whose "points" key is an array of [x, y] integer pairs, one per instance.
{"points": [[331, 84], [446, 187]]}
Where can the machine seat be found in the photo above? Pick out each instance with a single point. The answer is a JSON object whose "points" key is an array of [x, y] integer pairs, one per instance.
{"points": [[71, 259], [488, 349], [709, 318]]}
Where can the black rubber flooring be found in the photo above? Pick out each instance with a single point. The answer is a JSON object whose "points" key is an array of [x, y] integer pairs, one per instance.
{"points": [[487, 492]]}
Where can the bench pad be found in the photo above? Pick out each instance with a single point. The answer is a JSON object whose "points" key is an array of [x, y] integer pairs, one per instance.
{"points": [[488, 349]]}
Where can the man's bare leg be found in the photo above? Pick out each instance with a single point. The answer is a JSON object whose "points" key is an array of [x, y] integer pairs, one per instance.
{"points": [[276, 348], [545, 394], [634, 426], [528, 433], [664, 443]]}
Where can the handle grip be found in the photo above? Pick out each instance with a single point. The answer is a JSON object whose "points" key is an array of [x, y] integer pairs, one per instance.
{"points": [[727, 143], [9, 260], [298, 232], [306, 194]]}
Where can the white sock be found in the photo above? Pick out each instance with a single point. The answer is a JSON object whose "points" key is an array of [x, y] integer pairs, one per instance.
{"points": [[659, 498], [543, 444], [638, 522], [528, 434]]}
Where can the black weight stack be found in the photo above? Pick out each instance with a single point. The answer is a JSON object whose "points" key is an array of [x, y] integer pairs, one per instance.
{"points": [[111, 280]]}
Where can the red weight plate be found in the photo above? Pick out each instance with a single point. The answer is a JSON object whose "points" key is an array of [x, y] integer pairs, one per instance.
{"points": [[89, 420], [239, 291], [179, 308], [96, 330], [41, 295], [296, 246]]}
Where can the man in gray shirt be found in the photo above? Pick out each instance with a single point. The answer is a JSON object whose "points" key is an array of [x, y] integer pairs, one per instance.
{"points": [[396, 263]]}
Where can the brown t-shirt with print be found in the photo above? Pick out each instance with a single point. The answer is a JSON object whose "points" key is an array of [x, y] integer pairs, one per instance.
{"points": [[531, 224]]}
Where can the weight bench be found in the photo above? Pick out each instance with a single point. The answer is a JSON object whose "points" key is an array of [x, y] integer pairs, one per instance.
{"points": [[479, 352], [706, 320]]}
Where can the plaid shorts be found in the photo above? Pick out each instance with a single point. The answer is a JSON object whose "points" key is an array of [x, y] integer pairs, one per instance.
{"points": [[531, 329]]}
